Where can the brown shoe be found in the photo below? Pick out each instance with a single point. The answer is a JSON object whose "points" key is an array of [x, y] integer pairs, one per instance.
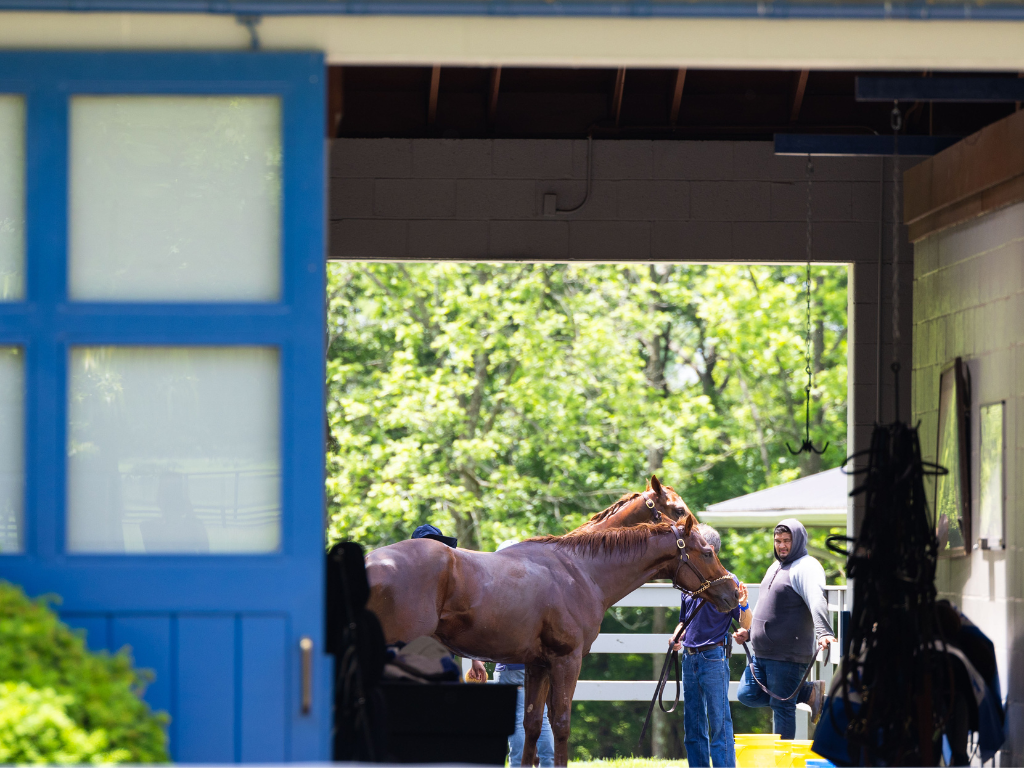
{"points": [[816, 700]]}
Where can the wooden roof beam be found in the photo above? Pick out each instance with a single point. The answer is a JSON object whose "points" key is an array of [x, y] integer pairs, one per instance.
{"points": [[620, 85], [435, 85], [798, 95], [492, 100], [677, 96]]}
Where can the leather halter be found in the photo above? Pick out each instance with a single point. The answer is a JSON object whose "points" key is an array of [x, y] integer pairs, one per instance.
{"points": [[684, 559], [649, 501]]}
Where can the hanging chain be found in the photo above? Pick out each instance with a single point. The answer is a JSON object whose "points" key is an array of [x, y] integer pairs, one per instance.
{"points": [[807, 327], [807, 445], [896, 122]]}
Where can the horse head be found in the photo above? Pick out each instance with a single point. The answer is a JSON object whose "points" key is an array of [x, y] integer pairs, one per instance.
{"points": [[698, 570], [658, 502], [665, 501]]}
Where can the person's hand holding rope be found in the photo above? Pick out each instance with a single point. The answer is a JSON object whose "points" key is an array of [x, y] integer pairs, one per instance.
{"points": [[678, 645]]}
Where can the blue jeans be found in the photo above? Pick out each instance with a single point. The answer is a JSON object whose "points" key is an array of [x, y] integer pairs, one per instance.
{"points": [[781, 678], [706, 715], [546, 742]]}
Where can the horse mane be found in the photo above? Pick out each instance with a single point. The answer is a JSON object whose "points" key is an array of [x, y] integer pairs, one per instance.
{"points": [[631, 541], [615, 507]]}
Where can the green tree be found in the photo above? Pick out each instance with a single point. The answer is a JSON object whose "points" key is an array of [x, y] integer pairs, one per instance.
{"points": [[503, 401], [506, 401]]}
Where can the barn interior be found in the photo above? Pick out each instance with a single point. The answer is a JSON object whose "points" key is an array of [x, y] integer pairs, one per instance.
{"points": [[533, 164]]}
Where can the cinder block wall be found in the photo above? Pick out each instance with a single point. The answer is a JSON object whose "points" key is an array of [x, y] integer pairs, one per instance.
{"points": [[461, 199], [969, 302]]}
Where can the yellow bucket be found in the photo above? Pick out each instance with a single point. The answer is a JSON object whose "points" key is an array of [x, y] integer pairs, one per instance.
{"points": [[800, 753], [756, 750], [783, 753]]}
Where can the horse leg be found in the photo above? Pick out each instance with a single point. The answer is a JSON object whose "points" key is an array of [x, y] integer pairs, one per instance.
{"points": [[565, 671], [534, 694]]}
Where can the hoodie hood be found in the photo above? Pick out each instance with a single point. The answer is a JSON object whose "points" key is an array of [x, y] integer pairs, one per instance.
{"points": [[799, 533]]}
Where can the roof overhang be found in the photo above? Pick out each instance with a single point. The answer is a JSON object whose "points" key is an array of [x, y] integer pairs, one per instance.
{"points": [[824, 518], [849, 36], [815, 500]]}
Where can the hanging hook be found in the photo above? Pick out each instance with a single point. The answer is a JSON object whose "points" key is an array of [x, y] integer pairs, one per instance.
{"points": [[808, 446]]}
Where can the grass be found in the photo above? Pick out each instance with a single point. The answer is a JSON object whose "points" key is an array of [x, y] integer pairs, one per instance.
{"points": [[628, 762]]}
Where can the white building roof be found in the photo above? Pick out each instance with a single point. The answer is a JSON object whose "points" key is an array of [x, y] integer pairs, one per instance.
{"points": [[818, 500]]}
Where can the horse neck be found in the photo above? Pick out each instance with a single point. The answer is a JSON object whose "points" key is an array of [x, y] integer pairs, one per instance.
{"points": [[617, 574], [634, 511]]}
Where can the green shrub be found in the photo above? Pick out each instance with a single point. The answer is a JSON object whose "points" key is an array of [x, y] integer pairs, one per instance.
{"points": [[35, 728], [99, 692]]}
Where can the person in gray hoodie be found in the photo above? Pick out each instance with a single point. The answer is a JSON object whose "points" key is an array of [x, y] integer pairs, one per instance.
{"points": [[791, 625]]}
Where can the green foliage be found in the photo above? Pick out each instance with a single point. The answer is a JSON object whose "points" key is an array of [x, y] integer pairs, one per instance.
{"points": [[507, 401], [99, 694], [35, 729]]}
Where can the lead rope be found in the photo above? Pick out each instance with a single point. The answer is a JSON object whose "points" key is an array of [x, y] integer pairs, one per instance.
{"points": [[750, 666], [673, 657]]}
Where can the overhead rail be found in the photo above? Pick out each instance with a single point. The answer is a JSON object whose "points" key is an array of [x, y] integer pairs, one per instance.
{"points": [[859, 145], [943, 11], [989, 90]]}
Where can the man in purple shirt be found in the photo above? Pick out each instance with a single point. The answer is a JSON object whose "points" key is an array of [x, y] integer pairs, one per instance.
{"points": [[706, 715]]}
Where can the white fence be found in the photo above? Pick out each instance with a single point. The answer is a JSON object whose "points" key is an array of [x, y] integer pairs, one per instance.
{"points": [[665, 596]]}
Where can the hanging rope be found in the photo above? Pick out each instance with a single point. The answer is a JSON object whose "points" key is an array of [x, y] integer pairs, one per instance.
{"points": [[896, 122], [807, 446]]}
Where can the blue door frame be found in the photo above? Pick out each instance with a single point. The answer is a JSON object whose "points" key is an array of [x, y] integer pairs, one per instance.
{"points": [[221, 632]]}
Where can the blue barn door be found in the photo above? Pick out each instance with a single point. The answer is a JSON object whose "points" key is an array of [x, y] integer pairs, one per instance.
{"points": [[162, 376]]}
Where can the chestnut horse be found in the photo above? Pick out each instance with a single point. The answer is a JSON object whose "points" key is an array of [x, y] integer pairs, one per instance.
{"points": [[647, 507], [538, 603]]}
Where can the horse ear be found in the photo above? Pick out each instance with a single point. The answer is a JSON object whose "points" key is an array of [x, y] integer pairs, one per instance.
{"points": [[689, 525], [655, 485]]}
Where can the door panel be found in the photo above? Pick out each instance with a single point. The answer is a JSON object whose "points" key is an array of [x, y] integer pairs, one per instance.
{"points": [[206, 689], [95, 626], [264, 694], [150, 640]]}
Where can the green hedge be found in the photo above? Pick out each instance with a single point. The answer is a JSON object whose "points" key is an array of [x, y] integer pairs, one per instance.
{"points": [[61, 703]]}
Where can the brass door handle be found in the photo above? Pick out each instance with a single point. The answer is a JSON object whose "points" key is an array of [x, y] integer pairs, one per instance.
{"points": [[306, 646]]}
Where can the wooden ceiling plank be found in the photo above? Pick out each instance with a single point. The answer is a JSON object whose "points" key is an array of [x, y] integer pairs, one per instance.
{"points": [[798, 94], [620, 85], [492, 100], [677, 95], [435, 85]]}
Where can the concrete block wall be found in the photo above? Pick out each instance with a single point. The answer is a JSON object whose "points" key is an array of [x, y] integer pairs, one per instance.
{"points": [[435, 199], [969, 303]]}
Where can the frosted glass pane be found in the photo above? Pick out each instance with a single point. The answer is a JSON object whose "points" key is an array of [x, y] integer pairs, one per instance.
{"points": [[174, 449], [12, 463], [12, 198], [175, 198]]}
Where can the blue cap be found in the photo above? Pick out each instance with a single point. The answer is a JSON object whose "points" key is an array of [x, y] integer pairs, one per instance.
{"points": [[430, 532], [426, 530]]}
